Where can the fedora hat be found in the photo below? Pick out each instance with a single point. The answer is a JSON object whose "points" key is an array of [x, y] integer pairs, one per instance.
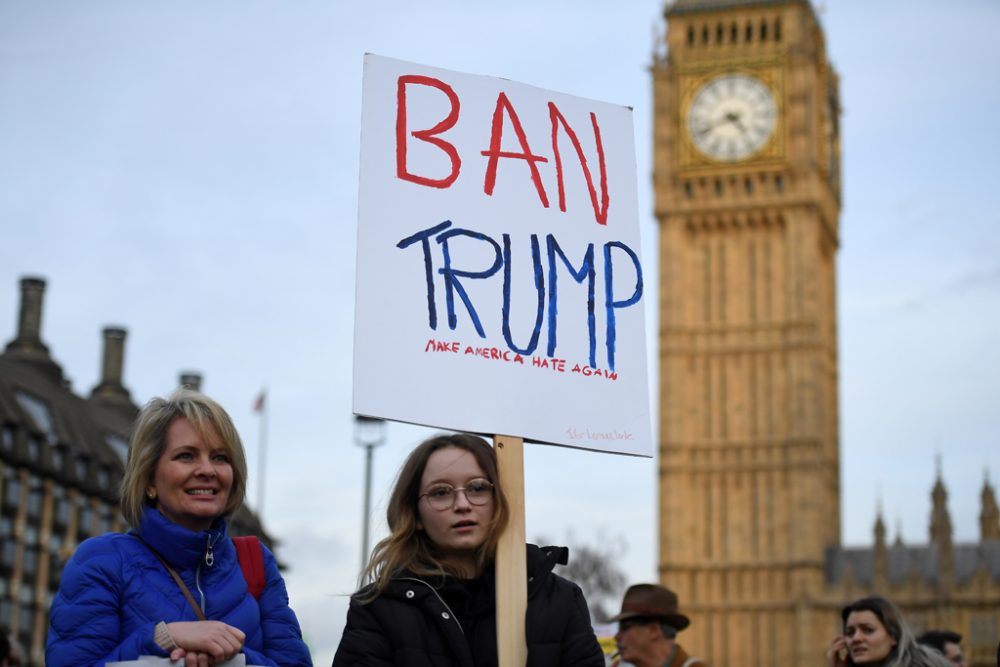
{"points": [[652, 601]]}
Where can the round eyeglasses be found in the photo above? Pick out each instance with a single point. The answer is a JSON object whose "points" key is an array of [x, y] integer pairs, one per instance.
{"points": [[442, 496]]}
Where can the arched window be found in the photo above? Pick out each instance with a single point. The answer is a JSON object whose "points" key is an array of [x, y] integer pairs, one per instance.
{"points": [[58, 457], [35, 497], [34, 448], [80, 467], [11, 491]]}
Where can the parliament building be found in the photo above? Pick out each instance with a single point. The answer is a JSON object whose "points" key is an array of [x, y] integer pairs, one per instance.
{"points": [[746, 172]]}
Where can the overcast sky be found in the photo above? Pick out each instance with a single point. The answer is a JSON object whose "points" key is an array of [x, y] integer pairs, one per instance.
{"points": [[189, 170]]}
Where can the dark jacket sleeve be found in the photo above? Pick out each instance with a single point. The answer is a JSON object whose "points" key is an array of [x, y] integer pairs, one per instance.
{"points": [[580, 646], [84, 627], [364, 643], [283, 644]]}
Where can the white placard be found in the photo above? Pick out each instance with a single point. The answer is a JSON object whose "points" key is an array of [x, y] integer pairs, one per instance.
{"points": [[500, 288], [238, 660]]}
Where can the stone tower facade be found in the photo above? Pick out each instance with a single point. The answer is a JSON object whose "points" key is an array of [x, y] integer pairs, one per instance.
{"points": [[747, 195], [747, 178]]}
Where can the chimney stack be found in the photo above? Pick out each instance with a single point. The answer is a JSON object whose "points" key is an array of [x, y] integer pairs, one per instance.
{"points": [[191, 380], [29, 321], [112, 366], [27, 346]]}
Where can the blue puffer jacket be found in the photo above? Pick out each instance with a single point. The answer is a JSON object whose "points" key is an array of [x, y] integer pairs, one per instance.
{"points": [[114, 591]]}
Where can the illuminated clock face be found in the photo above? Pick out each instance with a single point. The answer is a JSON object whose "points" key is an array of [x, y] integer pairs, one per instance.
{"points": [[732, 117]]}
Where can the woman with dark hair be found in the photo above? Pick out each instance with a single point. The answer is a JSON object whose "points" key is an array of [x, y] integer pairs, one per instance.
{"points": [[876, 634], [173, 586], [428, 595]]}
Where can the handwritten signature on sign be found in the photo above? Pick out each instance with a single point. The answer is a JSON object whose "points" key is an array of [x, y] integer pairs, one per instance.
{"points": [[588, 434]]}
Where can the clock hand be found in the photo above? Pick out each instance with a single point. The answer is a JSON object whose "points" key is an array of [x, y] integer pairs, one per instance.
{"points": [[734, 118], [703, 130], [708, 127]]}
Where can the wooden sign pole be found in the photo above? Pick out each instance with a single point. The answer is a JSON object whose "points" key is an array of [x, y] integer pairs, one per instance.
{"points": [[511, 569]]}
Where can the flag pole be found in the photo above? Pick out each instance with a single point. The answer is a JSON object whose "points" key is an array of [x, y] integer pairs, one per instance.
{"points": [[261, 453]]}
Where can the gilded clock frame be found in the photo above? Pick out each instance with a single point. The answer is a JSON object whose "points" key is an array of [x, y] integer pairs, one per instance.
{"points": [[691, 81]]}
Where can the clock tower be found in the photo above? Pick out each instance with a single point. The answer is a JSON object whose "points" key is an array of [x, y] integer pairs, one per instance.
{"points": [[747, 196]]}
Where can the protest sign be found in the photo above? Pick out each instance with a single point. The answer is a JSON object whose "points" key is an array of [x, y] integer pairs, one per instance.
{"points": [[239, 660], [500, 286]]}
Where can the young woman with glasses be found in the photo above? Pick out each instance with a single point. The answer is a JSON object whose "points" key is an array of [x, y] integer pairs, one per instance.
{"points": [[428, 596]]}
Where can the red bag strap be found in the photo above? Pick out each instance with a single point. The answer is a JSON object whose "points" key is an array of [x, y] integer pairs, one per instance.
{"points": [[251, 555]]}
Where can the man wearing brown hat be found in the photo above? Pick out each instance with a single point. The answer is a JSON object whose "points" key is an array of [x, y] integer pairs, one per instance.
{"points": [[647, 625]]}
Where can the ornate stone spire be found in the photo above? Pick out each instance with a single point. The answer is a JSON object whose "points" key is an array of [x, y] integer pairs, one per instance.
{"points": [[940, 520], [941, 532], [879, 530], [880, 567], [989, 515]]}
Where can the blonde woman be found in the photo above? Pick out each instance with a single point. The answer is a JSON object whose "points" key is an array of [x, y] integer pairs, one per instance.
{"points": [[173, 585]]}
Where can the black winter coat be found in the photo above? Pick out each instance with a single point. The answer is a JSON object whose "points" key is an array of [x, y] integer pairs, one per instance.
{"points": [[412, 625]]}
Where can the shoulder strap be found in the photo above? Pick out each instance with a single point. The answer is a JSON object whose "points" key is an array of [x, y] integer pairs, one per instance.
{"points": [[177, 578], [251, 555], [691, 661]]}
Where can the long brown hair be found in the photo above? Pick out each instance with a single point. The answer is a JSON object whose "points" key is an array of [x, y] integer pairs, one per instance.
{"points": [[408, 547]]}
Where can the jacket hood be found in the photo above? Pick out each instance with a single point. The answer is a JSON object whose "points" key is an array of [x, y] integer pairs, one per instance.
{"points": [[540, 563]]}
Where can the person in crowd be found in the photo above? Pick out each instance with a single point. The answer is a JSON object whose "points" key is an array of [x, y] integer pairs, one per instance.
{"points": [[428, 592], [947, 643], [876, 634], [16, 656], [173, 585], [647, 629], [10, 654]]}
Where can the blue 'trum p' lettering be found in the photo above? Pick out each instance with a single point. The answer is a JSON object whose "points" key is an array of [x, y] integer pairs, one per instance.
{"points": [[545, 282]]}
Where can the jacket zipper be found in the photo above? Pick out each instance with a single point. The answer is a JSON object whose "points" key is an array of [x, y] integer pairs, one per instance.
{"points": [[209, 561]]}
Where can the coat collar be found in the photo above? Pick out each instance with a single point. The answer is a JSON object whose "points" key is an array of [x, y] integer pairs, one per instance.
{"points": [[181, 547], [540, 561]]}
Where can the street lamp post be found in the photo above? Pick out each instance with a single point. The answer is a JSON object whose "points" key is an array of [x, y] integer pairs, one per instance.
{"points": [[369, 432]]}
